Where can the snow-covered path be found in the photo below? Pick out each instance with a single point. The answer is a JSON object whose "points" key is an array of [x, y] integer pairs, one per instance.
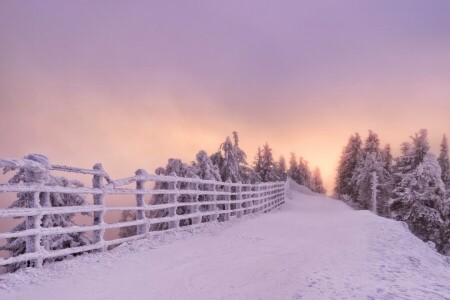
{"points": [[313, 248]]}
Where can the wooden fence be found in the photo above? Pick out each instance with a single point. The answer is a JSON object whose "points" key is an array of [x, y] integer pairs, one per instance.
{"points": [[203, 201]]}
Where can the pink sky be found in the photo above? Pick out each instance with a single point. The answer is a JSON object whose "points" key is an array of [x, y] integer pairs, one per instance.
{"points": [[132, 84]]}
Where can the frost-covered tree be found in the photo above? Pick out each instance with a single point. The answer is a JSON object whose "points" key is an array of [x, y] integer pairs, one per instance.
{"points": [[444, 162], [257, 162], [418, 197], [267, 171], [349, 158], [370, 170], [386, 156], [232, 162], [17, 246], [281, 169], [230, 168], [294, 172], [175, 167], [304, 173], [204, 168], [317, 182]]}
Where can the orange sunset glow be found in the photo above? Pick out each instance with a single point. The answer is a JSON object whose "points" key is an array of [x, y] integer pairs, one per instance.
{"points": [[133, 94]]}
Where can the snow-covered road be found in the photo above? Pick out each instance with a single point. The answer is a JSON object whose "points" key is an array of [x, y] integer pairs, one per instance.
{"points": [[313, 248]]}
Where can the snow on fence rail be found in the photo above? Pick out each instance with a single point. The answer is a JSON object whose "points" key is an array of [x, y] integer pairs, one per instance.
{"points": [[209, 201]]}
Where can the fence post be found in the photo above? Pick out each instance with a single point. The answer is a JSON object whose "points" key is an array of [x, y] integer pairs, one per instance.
{"points": [[97, 183], [227, 189], [238, 198], [195, 208], [214, 207], [33, 242], [174, 200], [140, 202]]}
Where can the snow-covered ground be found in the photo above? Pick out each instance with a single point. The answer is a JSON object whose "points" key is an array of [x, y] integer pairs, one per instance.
{"points": [[313, 248]]}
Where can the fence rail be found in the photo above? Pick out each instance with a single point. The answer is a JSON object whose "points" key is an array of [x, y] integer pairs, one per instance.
{"points": [[208, 201]]}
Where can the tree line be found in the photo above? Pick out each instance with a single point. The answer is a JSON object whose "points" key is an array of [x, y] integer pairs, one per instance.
{"points": [[413, 187]]}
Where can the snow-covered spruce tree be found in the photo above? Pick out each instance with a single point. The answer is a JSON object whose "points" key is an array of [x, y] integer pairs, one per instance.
{"points": [[293, 172], [230, 167], [175, 167], [370, 164], [418, 197], [304, 173], [232, 162], [204, 168], [345, 186], [385, 190], [444, 162], [281, 169], [386, 155], [17, 246], [267, 172], [257, 162], [445, 168], [317, 182]]}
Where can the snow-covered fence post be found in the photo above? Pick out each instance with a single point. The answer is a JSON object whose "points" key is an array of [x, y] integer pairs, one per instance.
{"points": [[97, 183], [140, 202], [227, 190], [238, 198], [256, 202], [195, 208], [247, 195], [212, 208], [215, 207], [374, 192], [36, 169], [33, 242], [40, 249], [173, 200]]}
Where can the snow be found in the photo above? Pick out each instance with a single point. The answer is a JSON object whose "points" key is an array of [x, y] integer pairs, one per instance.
{"points": [[314, 247]]}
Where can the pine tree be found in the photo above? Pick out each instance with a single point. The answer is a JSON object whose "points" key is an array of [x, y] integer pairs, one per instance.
{"points": [[267, 172], [445, 168], [232, 162], [317, 183], [280, 169], [258, 161], [230, 168], [304, 173], [345, 185], [293, 172], [418, 197], [370, 170], [204, 168], [387, 158], [17, 246], [386, 187], [444, 162]]}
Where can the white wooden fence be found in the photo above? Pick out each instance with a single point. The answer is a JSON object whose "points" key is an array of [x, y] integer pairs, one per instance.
{"points": [[209, 201]]}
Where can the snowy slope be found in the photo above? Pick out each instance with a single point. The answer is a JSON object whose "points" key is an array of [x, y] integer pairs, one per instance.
{"points": [[313, 248]]}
